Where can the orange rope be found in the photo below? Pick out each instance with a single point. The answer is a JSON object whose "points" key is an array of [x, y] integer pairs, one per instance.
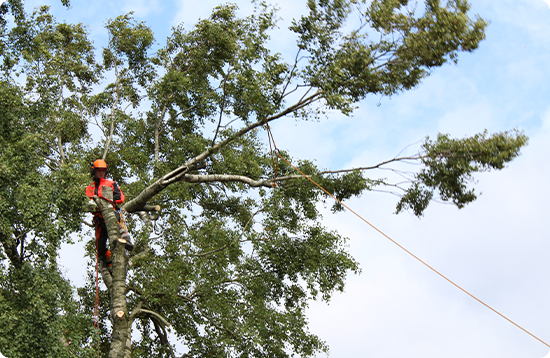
{"points": [[275, 164], [407, 251]]}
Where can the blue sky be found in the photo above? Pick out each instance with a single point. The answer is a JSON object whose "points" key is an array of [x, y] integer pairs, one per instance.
{"points": [[497, 247]]}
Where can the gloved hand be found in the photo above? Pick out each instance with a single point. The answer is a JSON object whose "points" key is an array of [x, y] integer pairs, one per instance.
{"points": [[91, 206]]}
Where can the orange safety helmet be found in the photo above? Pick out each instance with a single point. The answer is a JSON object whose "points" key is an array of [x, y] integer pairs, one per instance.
{"points": [[98, 164]]}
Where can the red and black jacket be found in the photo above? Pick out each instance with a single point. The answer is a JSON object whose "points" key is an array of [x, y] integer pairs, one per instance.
{"points": [[95, 189]]}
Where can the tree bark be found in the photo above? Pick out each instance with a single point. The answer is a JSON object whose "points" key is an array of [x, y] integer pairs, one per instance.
{"points": [[119, 311]]}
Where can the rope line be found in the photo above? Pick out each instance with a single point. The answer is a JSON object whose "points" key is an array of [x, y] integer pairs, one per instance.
{"points": [[403, 248], [275, 164]]}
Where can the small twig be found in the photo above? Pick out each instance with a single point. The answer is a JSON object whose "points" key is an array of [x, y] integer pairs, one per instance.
{"points": [[290, 75]]}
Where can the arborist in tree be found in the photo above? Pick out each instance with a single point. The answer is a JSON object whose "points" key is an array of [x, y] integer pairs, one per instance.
{"points": [[103, 188]]}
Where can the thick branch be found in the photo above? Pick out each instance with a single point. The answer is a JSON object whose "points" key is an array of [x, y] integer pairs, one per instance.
{"points": [[151, 314], [147, 194], [135, 312], [188, 178], [106, 276], [140, 201], [268, 183], [151, 208]]}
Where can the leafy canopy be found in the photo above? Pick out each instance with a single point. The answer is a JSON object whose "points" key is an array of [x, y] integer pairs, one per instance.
{"points": [[237, 251]]}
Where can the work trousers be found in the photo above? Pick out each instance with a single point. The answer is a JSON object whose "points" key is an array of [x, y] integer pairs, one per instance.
{"points": [[101, 235]]}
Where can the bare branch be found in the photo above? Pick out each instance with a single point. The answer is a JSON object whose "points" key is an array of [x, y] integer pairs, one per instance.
{"points": [[180, 174], [407, 146], [187, 109], [290, 75], [188, 178], [228, 123], [291, 91], [371, 167]]}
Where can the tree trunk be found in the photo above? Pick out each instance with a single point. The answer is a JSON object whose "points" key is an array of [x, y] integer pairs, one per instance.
{"points": [[119, 311]]}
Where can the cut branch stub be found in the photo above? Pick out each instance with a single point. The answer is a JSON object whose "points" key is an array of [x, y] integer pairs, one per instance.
{"points": [[151, 208]]}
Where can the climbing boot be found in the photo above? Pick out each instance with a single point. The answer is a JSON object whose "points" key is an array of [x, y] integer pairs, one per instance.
{"points": [[126, 237], [128, 244]]}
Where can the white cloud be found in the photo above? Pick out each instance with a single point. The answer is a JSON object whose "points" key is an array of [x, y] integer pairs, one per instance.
{"points": [[468, 119], [525, 15], [189, 12], [142, 8], [548, 2]]}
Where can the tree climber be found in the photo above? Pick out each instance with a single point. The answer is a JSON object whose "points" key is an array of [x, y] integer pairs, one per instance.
{"points": [[109, 190]]}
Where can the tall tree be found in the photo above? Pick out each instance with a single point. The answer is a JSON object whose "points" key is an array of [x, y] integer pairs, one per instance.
{"points": [[40, 138], [236, 252]]}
